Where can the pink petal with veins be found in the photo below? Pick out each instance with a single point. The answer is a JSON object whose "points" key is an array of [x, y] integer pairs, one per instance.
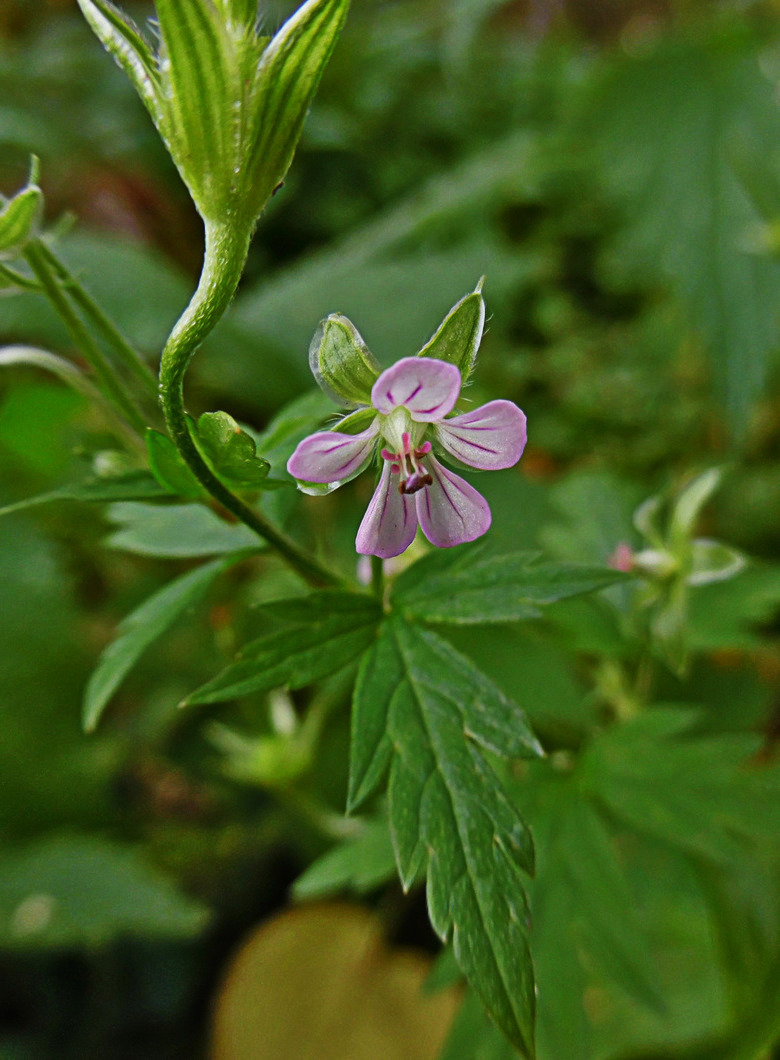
{"points": [[390, 522], [451, 511], [330, 456], [490, 438], [426, 387]]}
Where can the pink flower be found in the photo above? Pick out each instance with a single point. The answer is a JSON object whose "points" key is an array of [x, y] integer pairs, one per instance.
{"points": [[412, 401]]}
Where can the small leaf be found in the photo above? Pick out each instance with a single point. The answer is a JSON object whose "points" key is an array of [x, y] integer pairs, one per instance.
{"points": [[341, 362], [430, 712], [176, 531], [320, 634], [460, 333], [360, 864], [169, 468], [287, 77], [231, 452], [464, 589], [140, 629]]}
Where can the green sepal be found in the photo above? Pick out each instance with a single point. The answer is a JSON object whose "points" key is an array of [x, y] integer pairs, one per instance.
{"points": [[169, 468], [122, 40], [712, 561], [460, 333], [239, 12], [20, 215], [341, 362], [277, 102], [230, 451]]}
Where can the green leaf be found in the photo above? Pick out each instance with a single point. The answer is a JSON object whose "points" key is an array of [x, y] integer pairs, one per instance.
{"points": [[359, 864], [460, 333], [176, 531], [463, 589], [700, 793], [67, 892], [286, 79], [584, 913], [136, 486], [320, 634], [230, 451], [341, 362], [169, 469], [425, 710], [140, 629], [121, 39]]}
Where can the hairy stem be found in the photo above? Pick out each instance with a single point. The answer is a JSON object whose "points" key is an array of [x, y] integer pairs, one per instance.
{"points": [[128, 355], [223, 264], [108, 380]]}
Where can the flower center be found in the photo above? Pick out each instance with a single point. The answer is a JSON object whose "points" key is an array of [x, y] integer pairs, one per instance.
{"points": [[406, 464]]}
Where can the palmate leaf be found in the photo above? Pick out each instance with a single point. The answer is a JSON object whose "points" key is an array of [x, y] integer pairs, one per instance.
{"points": [[427, 713], [581, 904], [667, 128], [701, 793], [464, 589], [319, 634]]}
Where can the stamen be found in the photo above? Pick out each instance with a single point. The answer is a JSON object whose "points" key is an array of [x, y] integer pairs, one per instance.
{"points": [[387, 455], [406, 441], [424, 449]]}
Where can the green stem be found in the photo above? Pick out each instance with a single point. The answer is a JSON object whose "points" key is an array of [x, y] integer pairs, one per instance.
{"points": [[108, 380], [105, 326], [223, 263], [378, 577]]}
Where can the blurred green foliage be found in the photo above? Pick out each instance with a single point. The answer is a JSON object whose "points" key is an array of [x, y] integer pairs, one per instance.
{"points": [[613, 170]]}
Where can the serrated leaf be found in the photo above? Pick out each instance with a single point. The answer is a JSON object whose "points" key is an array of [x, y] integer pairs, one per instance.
{"points": [[700, 793], [287, 77], [122, 40], [231, 452], [140, 629], [459, 334], [320, 634], [136, 486], [424, 707], [169, 468], [341, 362], [67, 892], [360, 864], [470, 589], [176, 531]]}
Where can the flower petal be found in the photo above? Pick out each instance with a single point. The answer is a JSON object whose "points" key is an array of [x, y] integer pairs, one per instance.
{"points": [[489, 438], [331, 456], [426, 387], [451, 511], [390, 523]]}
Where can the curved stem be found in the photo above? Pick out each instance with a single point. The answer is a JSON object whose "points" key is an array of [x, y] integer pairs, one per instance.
{"points": [[223, 264]]}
